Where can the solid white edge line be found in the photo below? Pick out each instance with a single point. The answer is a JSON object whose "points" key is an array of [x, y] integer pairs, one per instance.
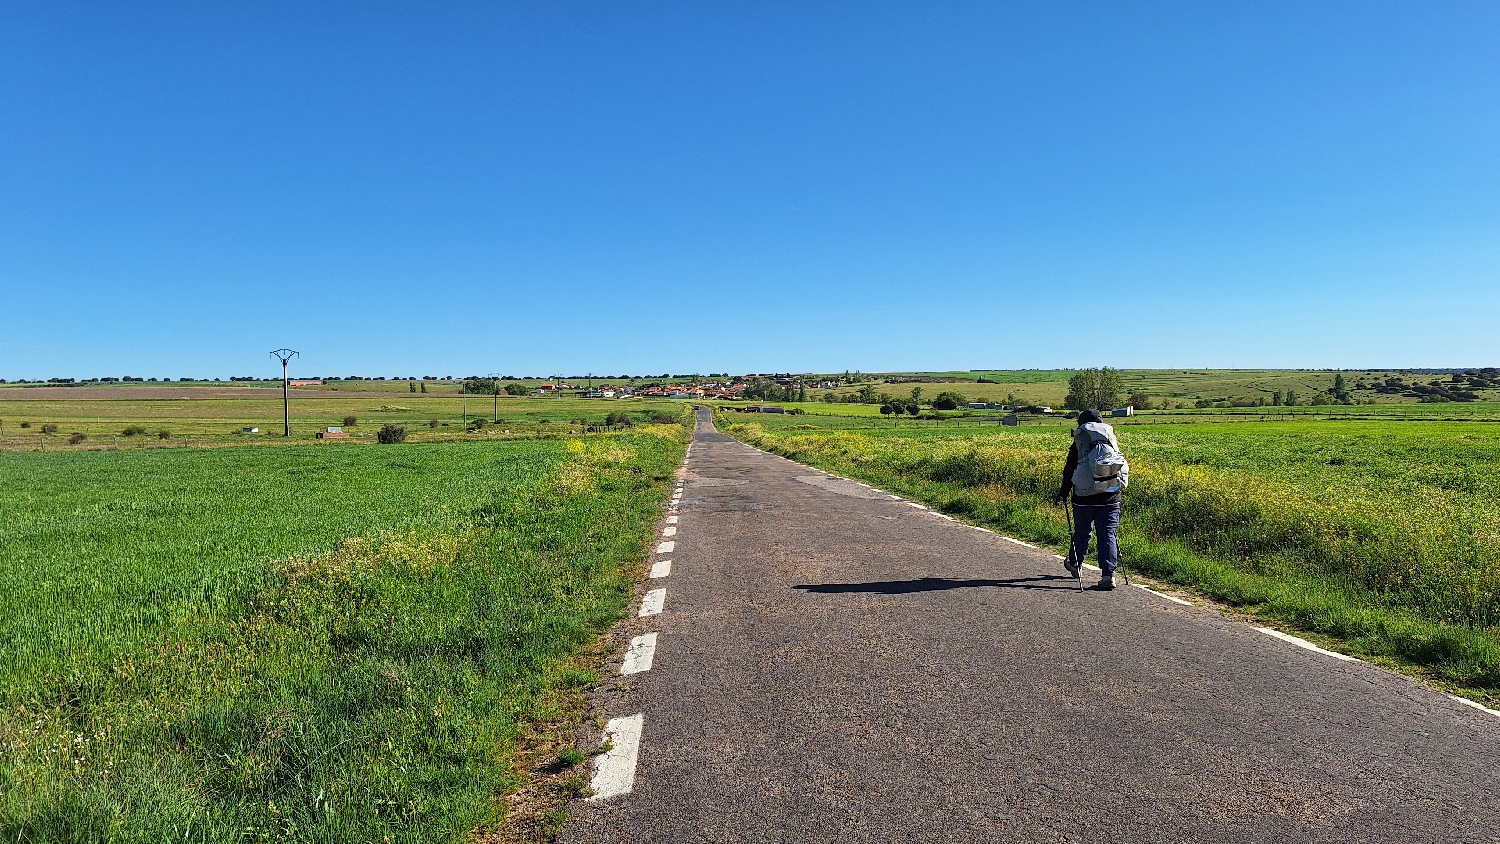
{"points": [[614, 769], [916, 505], [653, 602], [639, 655], [666, 547], [660, 570], [1303, 643], [1163, 595], [1476, 705]]}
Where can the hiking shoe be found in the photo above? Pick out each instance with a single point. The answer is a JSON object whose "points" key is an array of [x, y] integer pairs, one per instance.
{"points": [[1105, 584], [1071, 568]]}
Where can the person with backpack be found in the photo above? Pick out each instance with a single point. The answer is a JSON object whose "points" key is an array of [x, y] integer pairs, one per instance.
{"points": [[1096, 473]]}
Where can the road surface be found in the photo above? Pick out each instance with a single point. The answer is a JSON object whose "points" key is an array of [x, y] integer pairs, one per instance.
{"points": [[831, 664]]}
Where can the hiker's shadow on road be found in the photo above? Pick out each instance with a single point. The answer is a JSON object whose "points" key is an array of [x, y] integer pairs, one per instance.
{"points": [[939, 584]]}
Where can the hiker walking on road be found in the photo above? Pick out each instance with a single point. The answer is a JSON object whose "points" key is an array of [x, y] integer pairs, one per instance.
{"points": [[1095, 474]]}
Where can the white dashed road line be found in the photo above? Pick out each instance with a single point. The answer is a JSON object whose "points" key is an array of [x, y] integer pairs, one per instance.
{"points": [[669, 530], [638, 657], [666, 547], [661, 569], [1303, 643], [671, 520], [614, 769], [653, 602]]}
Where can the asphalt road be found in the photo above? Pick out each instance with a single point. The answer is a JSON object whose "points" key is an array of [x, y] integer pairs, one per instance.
{"points": [[835, 665]]}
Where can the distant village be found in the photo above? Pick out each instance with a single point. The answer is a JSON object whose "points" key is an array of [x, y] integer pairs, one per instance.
{"points": [[723, 389]]}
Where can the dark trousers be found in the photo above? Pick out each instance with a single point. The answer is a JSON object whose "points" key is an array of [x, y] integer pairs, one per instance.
{"points": [[1104, 520]]}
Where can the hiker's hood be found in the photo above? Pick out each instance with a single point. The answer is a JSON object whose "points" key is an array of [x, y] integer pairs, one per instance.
{"points": [[1090, 415]]}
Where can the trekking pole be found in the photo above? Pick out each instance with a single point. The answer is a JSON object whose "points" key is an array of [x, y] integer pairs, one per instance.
{"points": [[1078, 570]]}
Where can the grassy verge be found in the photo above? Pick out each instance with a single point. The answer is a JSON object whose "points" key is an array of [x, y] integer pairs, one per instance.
{"points": [[1406, 574], [302, 643]]}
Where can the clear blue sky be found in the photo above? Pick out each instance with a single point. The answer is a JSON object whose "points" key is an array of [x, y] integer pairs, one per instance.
{"points": [[455, 188]]}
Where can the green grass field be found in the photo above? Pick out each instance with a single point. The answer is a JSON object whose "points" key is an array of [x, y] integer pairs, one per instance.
{"points": [[302, 643], [1383, 534]]}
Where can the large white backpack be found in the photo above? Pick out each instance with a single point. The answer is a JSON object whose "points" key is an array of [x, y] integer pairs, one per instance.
{"points": [[1101, 466]]}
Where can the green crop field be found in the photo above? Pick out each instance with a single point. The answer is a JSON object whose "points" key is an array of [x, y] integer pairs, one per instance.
{"points": [[174, 417], [305, 643], [1181, 388], [1383, 534]]}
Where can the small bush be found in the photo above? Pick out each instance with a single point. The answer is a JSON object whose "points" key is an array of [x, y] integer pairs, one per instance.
{"points": [[164, 434], [619, 418], [49, 429], [434, 423], [350, 421], [663, 419], [77, 437], [25, 424], [391, 434], [134, 430], [476, 424]]}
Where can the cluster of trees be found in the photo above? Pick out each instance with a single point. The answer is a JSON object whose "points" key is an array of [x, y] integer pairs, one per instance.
{"points": [[1481, 379], [889, 404], [489, 387], [481, 386], [864, 395], [764, 389], [1458, 388], [949, 400], [1099, 389]]}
